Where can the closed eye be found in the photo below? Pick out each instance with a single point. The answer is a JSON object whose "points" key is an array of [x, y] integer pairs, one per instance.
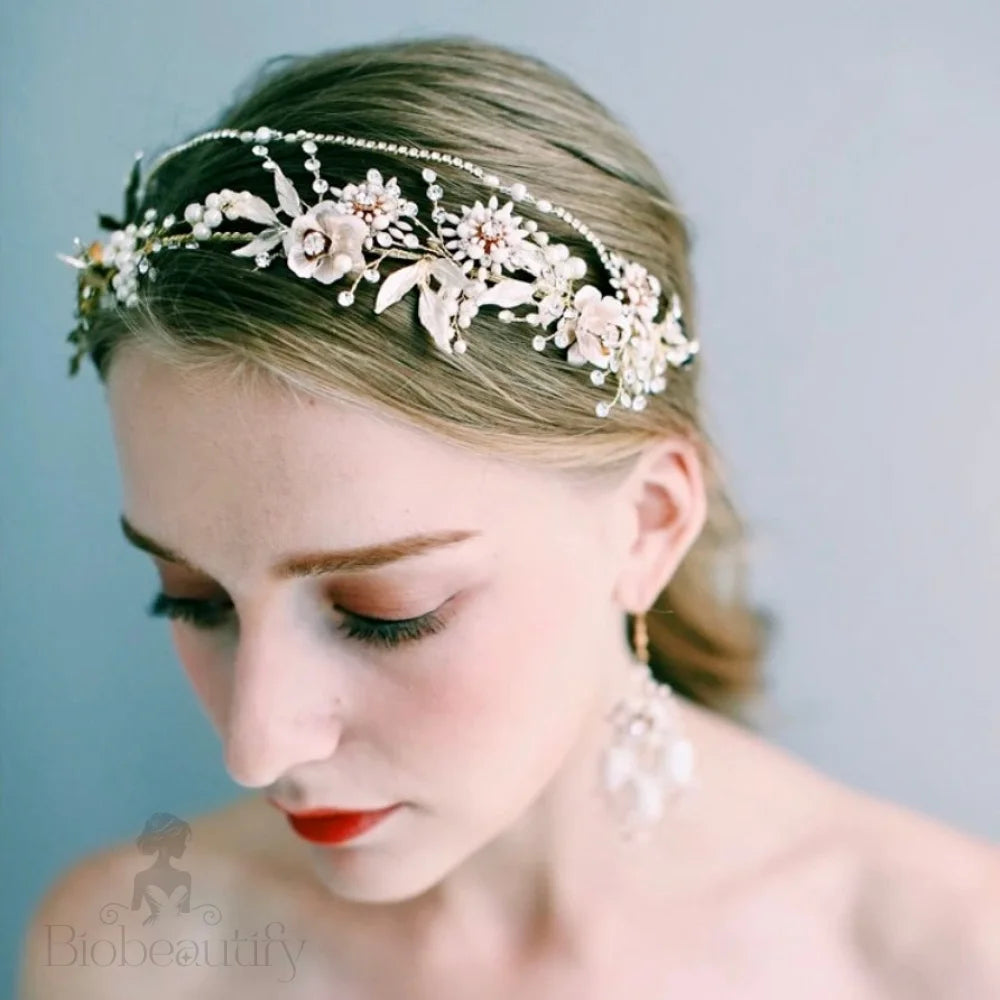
{"points": [[383, 632]]}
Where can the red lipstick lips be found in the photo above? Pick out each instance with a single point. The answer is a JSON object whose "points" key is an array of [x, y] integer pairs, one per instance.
{"points": [[332, 826]]}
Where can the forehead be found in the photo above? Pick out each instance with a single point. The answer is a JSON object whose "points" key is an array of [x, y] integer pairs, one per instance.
{"points": [[211, 461]]}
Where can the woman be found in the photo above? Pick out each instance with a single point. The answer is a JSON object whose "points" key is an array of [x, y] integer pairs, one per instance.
{"points": [[413, 439]]}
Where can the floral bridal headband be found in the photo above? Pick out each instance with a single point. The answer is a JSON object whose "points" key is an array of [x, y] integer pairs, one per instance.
{"points": [[485, 255]]}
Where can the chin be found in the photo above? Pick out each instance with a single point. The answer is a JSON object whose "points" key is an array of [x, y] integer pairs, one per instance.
{"points": [[377, 875]]}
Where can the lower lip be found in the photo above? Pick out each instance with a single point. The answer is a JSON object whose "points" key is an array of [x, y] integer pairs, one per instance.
{"points": [[336, 828]]}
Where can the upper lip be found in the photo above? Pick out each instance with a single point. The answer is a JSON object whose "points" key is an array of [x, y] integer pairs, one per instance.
{"points": [[316, 811]]}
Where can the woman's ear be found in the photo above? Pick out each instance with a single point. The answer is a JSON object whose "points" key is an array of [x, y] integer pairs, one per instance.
{"points": [[659, 510]]}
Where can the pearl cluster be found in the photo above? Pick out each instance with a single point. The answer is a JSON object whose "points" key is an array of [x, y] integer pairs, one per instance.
{"points": [[639, 349], [649, 761]]}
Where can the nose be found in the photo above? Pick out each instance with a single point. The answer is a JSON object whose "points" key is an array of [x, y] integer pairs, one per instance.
{"points": [[281, 713]]}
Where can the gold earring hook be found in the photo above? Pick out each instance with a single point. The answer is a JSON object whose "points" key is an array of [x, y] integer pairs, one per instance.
{"points": [[640, 637]]}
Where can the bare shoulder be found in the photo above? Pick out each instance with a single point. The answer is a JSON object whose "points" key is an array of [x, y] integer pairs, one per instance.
{"points": [[926, 902], [72, 911], [107, 926], [909, 902]]}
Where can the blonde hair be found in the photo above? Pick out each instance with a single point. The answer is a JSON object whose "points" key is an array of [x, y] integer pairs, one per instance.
{"points": [[525, 121]]}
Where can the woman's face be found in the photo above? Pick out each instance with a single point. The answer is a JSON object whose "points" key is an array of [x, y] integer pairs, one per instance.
{"points": [[463, 718]]}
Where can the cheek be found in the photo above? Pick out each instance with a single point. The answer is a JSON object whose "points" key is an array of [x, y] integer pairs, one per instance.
{"points": [[502, 702], [201, 659]]}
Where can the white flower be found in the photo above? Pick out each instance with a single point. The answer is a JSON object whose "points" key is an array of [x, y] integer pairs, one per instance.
{"points": [[379, 203], [597, 328], [642, 290], [556, 273], [325, 244], [488, 236]]}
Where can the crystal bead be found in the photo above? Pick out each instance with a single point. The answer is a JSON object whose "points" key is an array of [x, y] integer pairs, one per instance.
{"points": [[460, 346], [428, 175], [371, 275], [346, 298], [319, 185], [259, 150], [602, 409], [312, 163], [263, 134], [262, 259], [309, 147], [597, 377], [538, 342], [435, 192]]}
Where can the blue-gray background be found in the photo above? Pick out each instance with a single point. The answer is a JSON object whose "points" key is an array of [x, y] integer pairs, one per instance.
{"points": [[841, 165]]}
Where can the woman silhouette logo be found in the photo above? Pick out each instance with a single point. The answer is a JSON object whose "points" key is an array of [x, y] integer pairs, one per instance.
{"points": [[166, 890]]}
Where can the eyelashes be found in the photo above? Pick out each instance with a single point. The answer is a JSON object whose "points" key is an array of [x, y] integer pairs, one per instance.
{"points": [[202, 614], [378, 632]]}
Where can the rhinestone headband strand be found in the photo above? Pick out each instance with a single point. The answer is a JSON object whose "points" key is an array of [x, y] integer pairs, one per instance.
{"points": [[465, 262]]}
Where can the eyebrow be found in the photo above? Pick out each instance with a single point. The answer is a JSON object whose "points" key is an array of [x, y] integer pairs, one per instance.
{"points": [[314, 563]]}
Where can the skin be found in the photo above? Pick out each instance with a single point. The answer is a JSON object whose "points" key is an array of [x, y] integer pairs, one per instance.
{"points": [[503, 870]]}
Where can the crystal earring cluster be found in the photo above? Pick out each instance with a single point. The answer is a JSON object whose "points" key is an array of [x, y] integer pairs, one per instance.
{"points": [[648, 762]]}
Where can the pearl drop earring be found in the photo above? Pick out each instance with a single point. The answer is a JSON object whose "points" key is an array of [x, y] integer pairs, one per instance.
{"points": [[648, 762]]}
